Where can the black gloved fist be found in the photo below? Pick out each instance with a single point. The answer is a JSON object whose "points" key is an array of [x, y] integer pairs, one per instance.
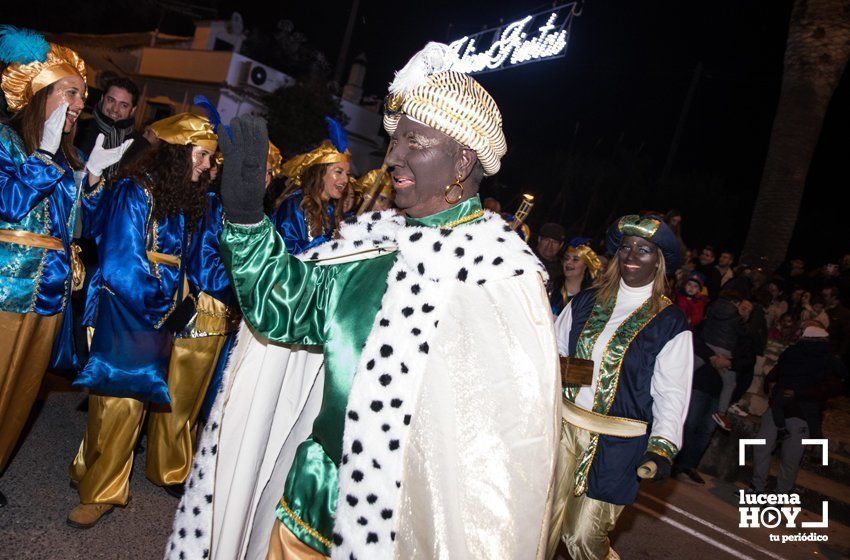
{"points": [[662, 465], [243, 179]]}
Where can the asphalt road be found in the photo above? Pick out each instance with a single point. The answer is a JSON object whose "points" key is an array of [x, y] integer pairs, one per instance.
{"points": [[672, 520]]}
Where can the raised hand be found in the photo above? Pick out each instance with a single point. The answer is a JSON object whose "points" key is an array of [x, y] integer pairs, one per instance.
{"points": [[243, 177], [51, 132], [101, 158]]}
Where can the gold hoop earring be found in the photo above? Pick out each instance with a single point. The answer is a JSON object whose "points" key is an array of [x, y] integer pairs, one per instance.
{"points": [[448, 190]]}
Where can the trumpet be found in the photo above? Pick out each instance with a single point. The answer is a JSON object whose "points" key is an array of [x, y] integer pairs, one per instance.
{"points": [[518, 223]]}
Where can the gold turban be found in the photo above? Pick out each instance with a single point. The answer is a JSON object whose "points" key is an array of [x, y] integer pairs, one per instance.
{"points": [[427, 90], [21, 81], [589, 256], [186, 128], [294, 167], [274, 161], [377, 182]]}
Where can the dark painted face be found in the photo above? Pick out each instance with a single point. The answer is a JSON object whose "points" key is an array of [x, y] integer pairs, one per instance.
{"points": [[638, 261], [422, 161]]}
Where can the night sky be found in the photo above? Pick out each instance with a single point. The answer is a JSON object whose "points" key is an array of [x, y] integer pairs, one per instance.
{"points": [[608, 109]]}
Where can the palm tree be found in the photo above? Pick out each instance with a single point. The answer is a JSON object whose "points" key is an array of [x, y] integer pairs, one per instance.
{"points": [[815, 56]]}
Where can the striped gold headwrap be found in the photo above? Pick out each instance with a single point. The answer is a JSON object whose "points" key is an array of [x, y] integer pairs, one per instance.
{"points": [[377, 181], [294, 167], [588, 256], [429, 91]]}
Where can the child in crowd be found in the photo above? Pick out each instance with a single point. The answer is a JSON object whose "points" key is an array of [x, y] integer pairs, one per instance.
{"points": [[692, 300], [721, 329]]}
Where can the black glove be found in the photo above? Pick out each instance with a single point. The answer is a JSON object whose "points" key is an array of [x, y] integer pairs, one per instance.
{"points": [[243, 179], [662, 465]]}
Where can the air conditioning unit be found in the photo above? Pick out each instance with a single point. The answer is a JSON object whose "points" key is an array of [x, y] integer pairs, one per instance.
{"points": [[263, 77]]}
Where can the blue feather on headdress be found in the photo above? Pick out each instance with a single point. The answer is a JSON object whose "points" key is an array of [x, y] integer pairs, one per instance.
{"points": [[21, 46], [337, 135], [212, 114], [579, 241]]}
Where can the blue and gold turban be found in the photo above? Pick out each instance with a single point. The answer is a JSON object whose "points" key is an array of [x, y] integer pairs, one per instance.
{"points": [[651, 228]]}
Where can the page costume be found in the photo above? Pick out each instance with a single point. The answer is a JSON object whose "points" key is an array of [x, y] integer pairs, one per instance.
{"points": [[642, 364], [39, 197], [141, 278], [431, 328]]}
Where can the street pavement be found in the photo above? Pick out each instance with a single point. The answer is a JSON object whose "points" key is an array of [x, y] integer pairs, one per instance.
{"points": [[672, 520]]}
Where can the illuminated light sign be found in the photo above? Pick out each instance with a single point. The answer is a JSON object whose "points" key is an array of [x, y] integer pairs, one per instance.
{"points": [[511, 45]]}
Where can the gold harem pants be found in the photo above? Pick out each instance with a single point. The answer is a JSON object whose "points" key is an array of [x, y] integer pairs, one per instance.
{"points": [[105, 459], [582, 523]]}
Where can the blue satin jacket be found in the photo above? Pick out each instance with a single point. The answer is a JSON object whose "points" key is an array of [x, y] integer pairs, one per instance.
{"points": [[204, 268], [290, 222], [133, 297], [38, 195]]}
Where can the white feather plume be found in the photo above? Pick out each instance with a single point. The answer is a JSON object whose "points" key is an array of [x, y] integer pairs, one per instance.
{"points": [[435, 57]]}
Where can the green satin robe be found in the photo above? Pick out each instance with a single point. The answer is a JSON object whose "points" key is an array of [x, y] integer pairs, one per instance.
{"points": [[295, 302]]}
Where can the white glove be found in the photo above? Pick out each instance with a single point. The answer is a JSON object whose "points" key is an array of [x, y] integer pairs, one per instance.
{"points": [[101, 158], [51, 133]]}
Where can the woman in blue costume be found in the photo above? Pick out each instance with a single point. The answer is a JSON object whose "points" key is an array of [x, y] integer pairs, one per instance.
{"points": [[45, 90], [305, 217], [626, 423], [143, 239]]}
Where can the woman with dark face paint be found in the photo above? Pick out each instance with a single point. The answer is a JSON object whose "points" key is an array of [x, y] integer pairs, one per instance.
{"points": [[642, 360], [436, 333]]}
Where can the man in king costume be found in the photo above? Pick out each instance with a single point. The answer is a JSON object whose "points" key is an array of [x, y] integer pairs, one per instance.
{"points": [[433, 324]]}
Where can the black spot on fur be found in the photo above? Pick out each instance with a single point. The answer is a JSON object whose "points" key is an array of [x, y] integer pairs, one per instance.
{"points": [[214, 449], [416, 236], [427, 308], [506, 228], [437, 246], [362, 521], [461, 274], [392, 535], [198, 533], [423, 347], [376, 464], [376, 216], [345, 459], [385, 322], [353, 415], [459, 252], [357, 447], [335, 244], [371, 498], [498, 260], [386, 513], [357, 476], [421, 268], [351, 220], [376, 406], [400, 276], [398, 484], [385, 427], [395, 403], [480, 282], [386, 351], [404, 368], [385, 379], [371, 538], [468, 237], [500, 239], [415, 289], [337, 539], [518, 272], [407, 419], [196, 511], [478, 259], [445, 232], [393, 444], [370, 364], [407, 311], [182, 533], [415, 331], [352, 501], [208, 497], [314, 256], [358, 242]]}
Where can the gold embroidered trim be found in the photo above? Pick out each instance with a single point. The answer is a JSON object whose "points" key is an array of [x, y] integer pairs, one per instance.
{"points": [[98, 187], [48, 161], [468, 218], [662, 446], [300, 522]]}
